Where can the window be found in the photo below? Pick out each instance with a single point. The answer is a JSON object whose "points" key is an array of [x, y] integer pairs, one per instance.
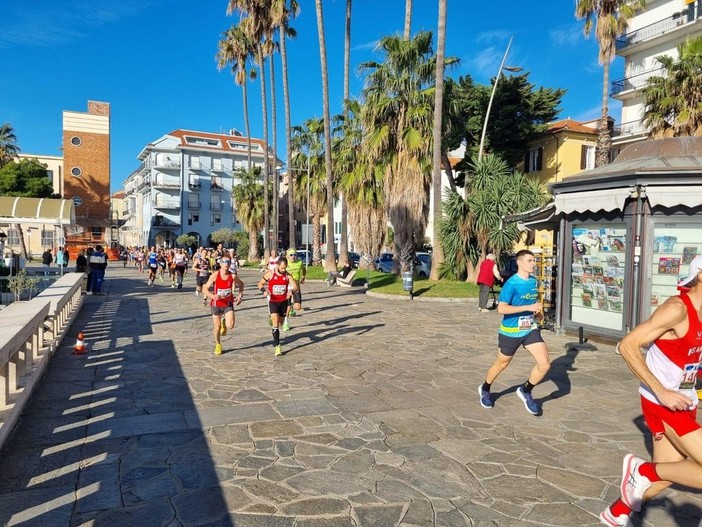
{"points": [[193, 217], [76, 171], [76, 141], [587, 157], [216, 183], [96, 232], [215, 219], [50, 175], [217, 165], [194, 201], [47, 237], [13, 237], [215, 202], [533, 160], [194, 181], [202, 141], [337, 227], [195, 162]]}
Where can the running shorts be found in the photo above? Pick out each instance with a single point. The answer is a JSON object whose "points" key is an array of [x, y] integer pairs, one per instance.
{"points": [[280, 308], [509, 345], [681, 421], [219, 311]]}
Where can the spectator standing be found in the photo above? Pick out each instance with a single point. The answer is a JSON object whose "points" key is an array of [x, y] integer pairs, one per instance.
{"points": [[487, 275], [66, 257], [98, 263], [81, 262], [46, 259]]}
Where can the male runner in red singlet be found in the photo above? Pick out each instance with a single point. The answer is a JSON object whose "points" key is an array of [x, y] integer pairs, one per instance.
{"points": [[280, 289], [667, 373], [222, 300]]}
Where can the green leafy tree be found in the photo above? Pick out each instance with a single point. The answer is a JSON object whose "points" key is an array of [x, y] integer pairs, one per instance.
{"points": [[186, 240], [8, 144], [610, 18], [674, 102], [225, 235], [25, 178], [248, 199]]}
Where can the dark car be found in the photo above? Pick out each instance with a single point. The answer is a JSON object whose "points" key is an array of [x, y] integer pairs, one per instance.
{"points": [[384, 263], [355, 259]]}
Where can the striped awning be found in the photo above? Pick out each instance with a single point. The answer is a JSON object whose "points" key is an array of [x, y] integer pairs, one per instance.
{"points": [[44, 211]]}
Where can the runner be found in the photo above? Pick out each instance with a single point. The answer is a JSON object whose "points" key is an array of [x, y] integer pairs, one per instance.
{"points": [[202, 274], [296, 269], [280, 289], [152, 262], [521, 311], [162, 263], [667, 372], [222, 300], [140, 259], [180, 260]]}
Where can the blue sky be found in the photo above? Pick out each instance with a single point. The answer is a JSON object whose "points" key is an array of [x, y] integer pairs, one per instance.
{"points": [[154, 61]]}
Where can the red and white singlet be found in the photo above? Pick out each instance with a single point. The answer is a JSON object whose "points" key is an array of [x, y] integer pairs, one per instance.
{"points": [[675, 362], [278, 287], [223, 290]]}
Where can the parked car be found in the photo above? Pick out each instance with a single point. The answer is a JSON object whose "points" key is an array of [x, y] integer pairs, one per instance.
{"points": [[422, 265], [355, 259], [305, 256], [384, 263]]}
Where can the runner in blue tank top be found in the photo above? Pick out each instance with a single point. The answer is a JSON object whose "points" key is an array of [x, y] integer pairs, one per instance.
{"points": [[518, 303], [152, 263]]}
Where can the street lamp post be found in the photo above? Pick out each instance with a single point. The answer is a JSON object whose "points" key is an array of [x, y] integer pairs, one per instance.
{"points": [[492, 96]]}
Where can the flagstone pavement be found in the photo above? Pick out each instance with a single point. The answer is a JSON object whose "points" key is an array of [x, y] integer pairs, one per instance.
{"points": [[370, 419]]}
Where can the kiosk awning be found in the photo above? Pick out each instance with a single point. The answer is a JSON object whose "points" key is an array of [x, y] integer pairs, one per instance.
{"points": [[38, 211], [690, 196], [591, 200]]}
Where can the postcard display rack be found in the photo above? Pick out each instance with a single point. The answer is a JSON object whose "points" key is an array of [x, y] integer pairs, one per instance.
{"points": [[674, 247], [544, 259], [598, 269]]}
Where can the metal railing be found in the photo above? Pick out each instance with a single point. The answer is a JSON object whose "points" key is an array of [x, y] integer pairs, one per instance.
{"points": [[629, 128], [635, 82], [682, 18]]}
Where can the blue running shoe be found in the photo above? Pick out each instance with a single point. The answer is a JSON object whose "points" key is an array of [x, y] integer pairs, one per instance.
{"points": [[485, 400], [529, 402]]}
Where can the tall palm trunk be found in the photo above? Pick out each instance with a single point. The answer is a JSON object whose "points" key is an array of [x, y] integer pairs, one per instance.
{"points": [[266, 200], [288, 138], [274, 118], [344, 242], [23, 245], [604, 139], [330, 263], [408, 19], [316, 239], [247, 127], [253, 245], [437, 249]]}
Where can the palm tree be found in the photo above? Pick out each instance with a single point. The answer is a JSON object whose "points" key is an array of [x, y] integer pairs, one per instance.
{"points": [[281, 15], [330, 263], [8, 144], [674, 103], [611, 18], [236, 50], [438, 255], [344, 241], [397, 114], [408, 19], [248, 199]]}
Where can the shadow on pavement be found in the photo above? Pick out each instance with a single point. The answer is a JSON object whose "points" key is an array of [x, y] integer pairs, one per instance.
{"points": [[111, 437]]}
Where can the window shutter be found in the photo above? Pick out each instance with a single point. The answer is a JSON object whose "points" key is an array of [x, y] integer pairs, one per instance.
{"points": [[540, 158], [583, 157]]}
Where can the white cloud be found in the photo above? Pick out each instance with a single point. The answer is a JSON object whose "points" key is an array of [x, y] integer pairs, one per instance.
{"points": [[568, 36], [53, 24], [365, 46]]}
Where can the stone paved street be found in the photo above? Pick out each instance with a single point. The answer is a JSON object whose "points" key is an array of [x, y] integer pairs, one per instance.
{"points": [[371, 419]]}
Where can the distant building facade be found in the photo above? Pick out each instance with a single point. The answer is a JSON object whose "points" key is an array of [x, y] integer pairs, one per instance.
{"points": [[651, 33], [184, 186]]}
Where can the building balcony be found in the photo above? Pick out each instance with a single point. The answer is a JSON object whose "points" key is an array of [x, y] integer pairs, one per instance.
{"points": [[168, 164], [194, 204], [167, 204], [166, 182], [216, 185], [194, 185], [661, 27], [160, 221], [218, 167], [635, 82], [216, 205], [630, 128]]}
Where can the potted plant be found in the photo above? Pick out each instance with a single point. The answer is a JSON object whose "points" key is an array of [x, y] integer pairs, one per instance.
{"points": [[21, 283]]}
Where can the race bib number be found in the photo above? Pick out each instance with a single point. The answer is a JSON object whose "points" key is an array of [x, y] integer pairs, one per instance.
{"points": [[279, 290], [525, 323], [153, 266], [689, 376], [224, 293]]}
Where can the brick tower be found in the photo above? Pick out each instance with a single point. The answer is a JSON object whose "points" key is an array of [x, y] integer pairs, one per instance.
{"points": [[86, 162]]}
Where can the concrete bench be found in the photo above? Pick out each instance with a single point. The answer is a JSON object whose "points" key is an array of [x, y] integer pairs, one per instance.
{"points": [[348, 281]]}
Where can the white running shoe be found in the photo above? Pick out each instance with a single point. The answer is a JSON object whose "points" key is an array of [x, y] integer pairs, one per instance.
{"points": [[607, 518], [633, 485]]}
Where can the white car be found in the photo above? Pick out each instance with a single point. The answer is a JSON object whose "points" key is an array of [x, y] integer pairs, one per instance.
{"points": [[422, 265]]}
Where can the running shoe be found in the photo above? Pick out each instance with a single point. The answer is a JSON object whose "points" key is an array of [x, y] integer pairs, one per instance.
{"points": [[633, 483], [218, 349], [607, 518], [529, 402], [161, 278], [223, 328], [293, 312], [278, 351], [286, 327], [485, 399], [197, 293]]}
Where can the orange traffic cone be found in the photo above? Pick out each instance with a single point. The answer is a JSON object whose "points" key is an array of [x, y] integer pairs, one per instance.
{"points": [[79, 348]]}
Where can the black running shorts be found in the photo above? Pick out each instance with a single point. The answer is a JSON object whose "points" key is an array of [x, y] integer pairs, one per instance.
{"points": [[279, 308], [509, 345]]}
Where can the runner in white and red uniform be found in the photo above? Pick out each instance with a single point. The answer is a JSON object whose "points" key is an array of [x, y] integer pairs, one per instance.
{"points": [[280, 289], [219, 289], [668, 374]]}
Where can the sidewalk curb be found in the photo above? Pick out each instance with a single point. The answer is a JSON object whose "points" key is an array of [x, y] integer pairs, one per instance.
{"points": [[421, 299]]}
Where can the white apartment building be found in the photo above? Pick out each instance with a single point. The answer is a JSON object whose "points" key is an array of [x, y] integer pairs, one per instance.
{"points": [[184, 186], [653, 32]]}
